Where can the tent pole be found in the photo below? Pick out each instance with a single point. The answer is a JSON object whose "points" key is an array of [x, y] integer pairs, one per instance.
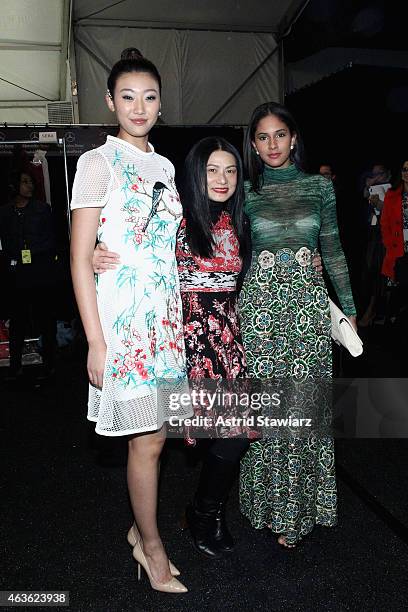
{"points": [[92, 54], [282, 75], [66, 186]]}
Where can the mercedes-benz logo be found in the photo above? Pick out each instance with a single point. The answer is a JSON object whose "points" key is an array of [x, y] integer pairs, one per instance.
{"points": [[33, 136], [2, 136]]}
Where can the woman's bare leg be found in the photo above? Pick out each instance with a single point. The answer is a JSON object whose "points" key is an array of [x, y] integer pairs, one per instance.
{"points": [[142, 478]]}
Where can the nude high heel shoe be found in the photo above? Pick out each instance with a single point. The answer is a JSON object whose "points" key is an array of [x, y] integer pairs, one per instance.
{"points": [[133, 538], [172, 586]]}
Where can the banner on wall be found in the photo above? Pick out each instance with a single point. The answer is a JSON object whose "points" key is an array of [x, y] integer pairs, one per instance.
{"points": [[77, 139], [172, 141]]}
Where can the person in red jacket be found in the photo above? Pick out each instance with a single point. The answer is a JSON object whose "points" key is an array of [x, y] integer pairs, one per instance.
{"points": [[394, 223], [394, 233]]}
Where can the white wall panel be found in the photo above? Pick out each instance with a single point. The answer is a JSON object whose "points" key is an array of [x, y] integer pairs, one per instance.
{"points": [[37, 21], [37, 71], [21, 116]]}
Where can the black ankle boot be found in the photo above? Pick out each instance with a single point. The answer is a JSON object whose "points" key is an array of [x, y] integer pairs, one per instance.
{"points": [[206, 515], [222, 535], [201, 519]]}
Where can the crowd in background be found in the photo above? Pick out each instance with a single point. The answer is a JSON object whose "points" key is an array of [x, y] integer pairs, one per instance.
{"points": [[373, 225]]}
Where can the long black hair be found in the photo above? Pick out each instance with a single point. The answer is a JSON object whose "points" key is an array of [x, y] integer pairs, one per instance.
{"points": [[131, 60], [196, 204], [253, 163]]}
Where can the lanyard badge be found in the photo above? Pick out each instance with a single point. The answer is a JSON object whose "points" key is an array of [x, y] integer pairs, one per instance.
{"points": [[26, 256]]}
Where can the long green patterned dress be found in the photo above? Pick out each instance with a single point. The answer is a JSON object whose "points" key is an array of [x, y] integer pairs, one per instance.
{"points": [[289, 484]]}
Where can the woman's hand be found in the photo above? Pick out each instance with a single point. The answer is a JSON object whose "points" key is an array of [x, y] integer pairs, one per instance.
{"points": [[375, 201], [103, 260], [96, 363], [317, 262], [353, 321]]}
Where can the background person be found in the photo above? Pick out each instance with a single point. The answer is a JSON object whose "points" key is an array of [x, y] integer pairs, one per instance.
{"points": [[373, 285], [394, 232], [326, 170], [29, 248]]}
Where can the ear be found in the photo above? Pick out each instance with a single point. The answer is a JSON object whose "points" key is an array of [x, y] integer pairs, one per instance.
{"points": [[109, 103]]}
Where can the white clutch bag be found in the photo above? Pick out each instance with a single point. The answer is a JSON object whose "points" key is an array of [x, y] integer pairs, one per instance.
{"points": [[342, 331]]}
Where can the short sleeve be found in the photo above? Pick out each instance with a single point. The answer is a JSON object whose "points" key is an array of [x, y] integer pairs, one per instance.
{"points": [[92, 182], [171, 167]]}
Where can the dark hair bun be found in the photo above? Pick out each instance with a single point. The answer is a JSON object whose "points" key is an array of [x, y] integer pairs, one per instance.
{"points": [[131, 53]]}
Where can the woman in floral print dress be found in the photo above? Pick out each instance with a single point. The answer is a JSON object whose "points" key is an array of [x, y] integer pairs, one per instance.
{"points": [[124, 193], [212, 253]]}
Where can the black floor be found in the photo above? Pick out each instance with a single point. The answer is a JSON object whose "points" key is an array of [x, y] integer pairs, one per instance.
{"points": [[65, 515]]}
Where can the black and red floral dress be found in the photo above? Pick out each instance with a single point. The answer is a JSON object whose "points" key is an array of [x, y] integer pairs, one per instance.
{"points": [[212, 335]]}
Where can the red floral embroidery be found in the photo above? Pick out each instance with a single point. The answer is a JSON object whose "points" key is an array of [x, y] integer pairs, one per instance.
{"points": [[227, 336], [213, 324]]}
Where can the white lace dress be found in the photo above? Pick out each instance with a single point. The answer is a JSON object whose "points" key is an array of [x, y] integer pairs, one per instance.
{"points": [[139, 303]]}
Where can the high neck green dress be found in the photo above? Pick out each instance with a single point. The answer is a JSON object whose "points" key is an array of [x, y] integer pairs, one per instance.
{"points": [[289, 484]]}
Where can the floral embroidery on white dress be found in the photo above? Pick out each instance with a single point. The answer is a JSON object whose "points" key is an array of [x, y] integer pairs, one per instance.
{"points": [[139, 303]]}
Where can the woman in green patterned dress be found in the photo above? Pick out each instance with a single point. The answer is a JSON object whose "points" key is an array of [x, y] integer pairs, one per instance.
{"points": [[288, 483]]}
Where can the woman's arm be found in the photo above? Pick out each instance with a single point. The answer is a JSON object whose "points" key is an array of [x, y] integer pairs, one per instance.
{"points": [[84, 229], [332, 251]]}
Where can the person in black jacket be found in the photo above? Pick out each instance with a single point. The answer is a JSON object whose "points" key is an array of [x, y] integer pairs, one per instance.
{"points": [[29, 250]]}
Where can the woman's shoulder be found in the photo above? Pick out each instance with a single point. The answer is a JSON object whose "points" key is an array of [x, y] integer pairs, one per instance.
{"points": [[314, 179], [317, 183], [6, 210], [95, 160], [392, 201], [40, 206], [96, 155], [394, 193], [165, 163]]}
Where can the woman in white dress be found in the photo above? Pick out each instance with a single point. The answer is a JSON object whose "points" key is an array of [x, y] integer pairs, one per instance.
{"points": [[124, 194]]}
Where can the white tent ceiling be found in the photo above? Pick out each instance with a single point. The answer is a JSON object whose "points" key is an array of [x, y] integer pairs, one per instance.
{"points": [[217, 59], [273, 17], [33, 51]]}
